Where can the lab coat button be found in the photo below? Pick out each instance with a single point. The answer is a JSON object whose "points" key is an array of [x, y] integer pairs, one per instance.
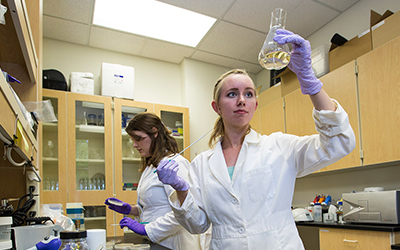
{"points": [[234, 201], [241, 230]]}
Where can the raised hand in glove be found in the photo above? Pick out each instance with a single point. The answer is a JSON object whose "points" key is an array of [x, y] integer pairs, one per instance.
{"points": [[118, 205], [133, 225], [300, 61], [168, 174]]}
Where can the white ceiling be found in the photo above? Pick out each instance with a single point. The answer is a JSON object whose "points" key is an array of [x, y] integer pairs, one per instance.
{"points": [[234, 41]]}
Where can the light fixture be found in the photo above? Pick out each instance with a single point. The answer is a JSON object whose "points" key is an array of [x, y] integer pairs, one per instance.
{"points": [[153, 19]]}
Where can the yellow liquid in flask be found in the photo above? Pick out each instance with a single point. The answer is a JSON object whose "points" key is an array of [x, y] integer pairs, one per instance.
{"points": [[274, 60]]}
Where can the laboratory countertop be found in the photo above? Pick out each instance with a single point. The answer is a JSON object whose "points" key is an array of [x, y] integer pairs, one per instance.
{"points": [[136, 239], [355, 226]]}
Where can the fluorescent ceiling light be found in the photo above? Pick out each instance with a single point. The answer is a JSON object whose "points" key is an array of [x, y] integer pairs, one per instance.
{"points": [[153, 19]]}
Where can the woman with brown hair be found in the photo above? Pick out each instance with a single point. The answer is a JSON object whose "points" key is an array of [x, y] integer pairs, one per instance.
{"points": [[154, 217]]}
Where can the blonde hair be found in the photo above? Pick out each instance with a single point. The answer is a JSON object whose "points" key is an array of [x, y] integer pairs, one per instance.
{"points": [[161, 145], [219, 128]]}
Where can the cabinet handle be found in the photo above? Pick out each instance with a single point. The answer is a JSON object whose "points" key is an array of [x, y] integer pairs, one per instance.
{"points": [[351, 241]]}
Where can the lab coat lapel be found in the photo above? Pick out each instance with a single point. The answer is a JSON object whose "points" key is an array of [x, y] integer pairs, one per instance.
{"points": [[219, 169]]}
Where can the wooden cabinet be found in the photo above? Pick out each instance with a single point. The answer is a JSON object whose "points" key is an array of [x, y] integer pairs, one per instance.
{"points": [[379, 90], [54, 151], [272, 117], [341, 85], [20, 56], [333, 239], [88, 156], [172, 114]]}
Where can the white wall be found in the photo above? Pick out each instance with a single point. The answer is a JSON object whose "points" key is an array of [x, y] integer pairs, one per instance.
{"points": [[155, 81]]}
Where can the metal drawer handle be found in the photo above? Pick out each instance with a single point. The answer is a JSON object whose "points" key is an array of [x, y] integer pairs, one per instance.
{"points": [[351, 241]]}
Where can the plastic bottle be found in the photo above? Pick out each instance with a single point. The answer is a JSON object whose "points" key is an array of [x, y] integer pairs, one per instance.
{"points": [[340, 211], [73, 240], [317, 212]]}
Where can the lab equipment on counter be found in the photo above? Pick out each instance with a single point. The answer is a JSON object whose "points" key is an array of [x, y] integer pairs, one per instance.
{"points": [[26, 237], [272, 55], [5, 232], [74, 240], [49, 243], [317, 212], [75, 212], [302, 214], [372, 207], [96, 238]]}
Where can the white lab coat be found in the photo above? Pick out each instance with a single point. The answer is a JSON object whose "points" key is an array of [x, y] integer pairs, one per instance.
{"points": [[154, 207], [253, 210]]}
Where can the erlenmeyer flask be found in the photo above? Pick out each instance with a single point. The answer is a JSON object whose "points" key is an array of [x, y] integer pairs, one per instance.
{"points": [[273, 55]]}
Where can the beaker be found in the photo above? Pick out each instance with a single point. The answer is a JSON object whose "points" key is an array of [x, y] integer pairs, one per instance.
{"points": [[273, 55]]}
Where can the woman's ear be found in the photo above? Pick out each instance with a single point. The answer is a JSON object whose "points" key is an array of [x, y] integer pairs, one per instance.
{"points": [[155, 132], [215, 107]]}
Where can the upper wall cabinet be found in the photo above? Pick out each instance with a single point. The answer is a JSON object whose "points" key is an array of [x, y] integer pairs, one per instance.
{"points": [[272, 117], [20, 46], [379, 87], [340, 85]]}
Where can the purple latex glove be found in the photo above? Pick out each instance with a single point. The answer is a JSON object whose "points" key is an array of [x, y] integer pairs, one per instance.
{"points": [[118, 205], [300, 61], [168, 174], [133, 225]]}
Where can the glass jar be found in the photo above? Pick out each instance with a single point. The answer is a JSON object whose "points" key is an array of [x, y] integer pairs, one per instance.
{"points": [[73, 240]]}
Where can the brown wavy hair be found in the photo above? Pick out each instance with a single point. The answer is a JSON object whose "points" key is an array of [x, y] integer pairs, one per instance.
{"points": [[219, 128], [162, 145]]}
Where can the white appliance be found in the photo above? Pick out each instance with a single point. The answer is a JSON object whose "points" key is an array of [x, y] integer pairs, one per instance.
{"points": [[302, 214]]}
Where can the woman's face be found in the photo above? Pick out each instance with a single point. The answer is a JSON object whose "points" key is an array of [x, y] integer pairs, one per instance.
{"points": [[237, 101], [142, 143]]}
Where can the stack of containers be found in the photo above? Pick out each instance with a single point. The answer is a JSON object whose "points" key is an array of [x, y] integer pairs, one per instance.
{"points": [[75, 212]]}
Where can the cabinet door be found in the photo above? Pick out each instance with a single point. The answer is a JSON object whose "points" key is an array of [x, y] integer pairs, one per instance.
{"points": [[298, 114], [171, 115], [341, 85], [90, 174], [379, 87], [273, 117], [255, 121], [54, 151], [127, 159], [353, 239]]}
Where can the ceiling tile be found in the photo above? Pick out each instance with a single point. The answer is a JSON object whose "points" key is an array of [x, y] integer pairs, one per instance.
{"points": [[312, 15], [213, 58], [340, 5], [64, 30], [118, 41], [256, 14], [206, 7], [165, 51], [230, 40], [74, 10]]}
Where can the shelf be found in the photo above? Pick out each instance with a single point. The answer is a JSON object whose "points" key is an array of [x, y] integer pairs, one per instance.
{"points": [[128, 159], [95, 218], [90, 160], [90, 129], [50, 159]]}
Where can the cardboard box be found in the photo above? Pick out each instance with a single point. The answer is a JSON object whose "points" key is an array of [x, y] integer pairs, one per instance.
{"points": [[351, 50], [383, 28], [386, 29], [82, 82], [117, 80]]}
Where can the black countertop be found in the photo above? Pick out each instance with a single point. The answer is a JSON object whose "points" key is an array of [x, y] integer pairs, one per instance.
{"points": [[355, 226]]}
